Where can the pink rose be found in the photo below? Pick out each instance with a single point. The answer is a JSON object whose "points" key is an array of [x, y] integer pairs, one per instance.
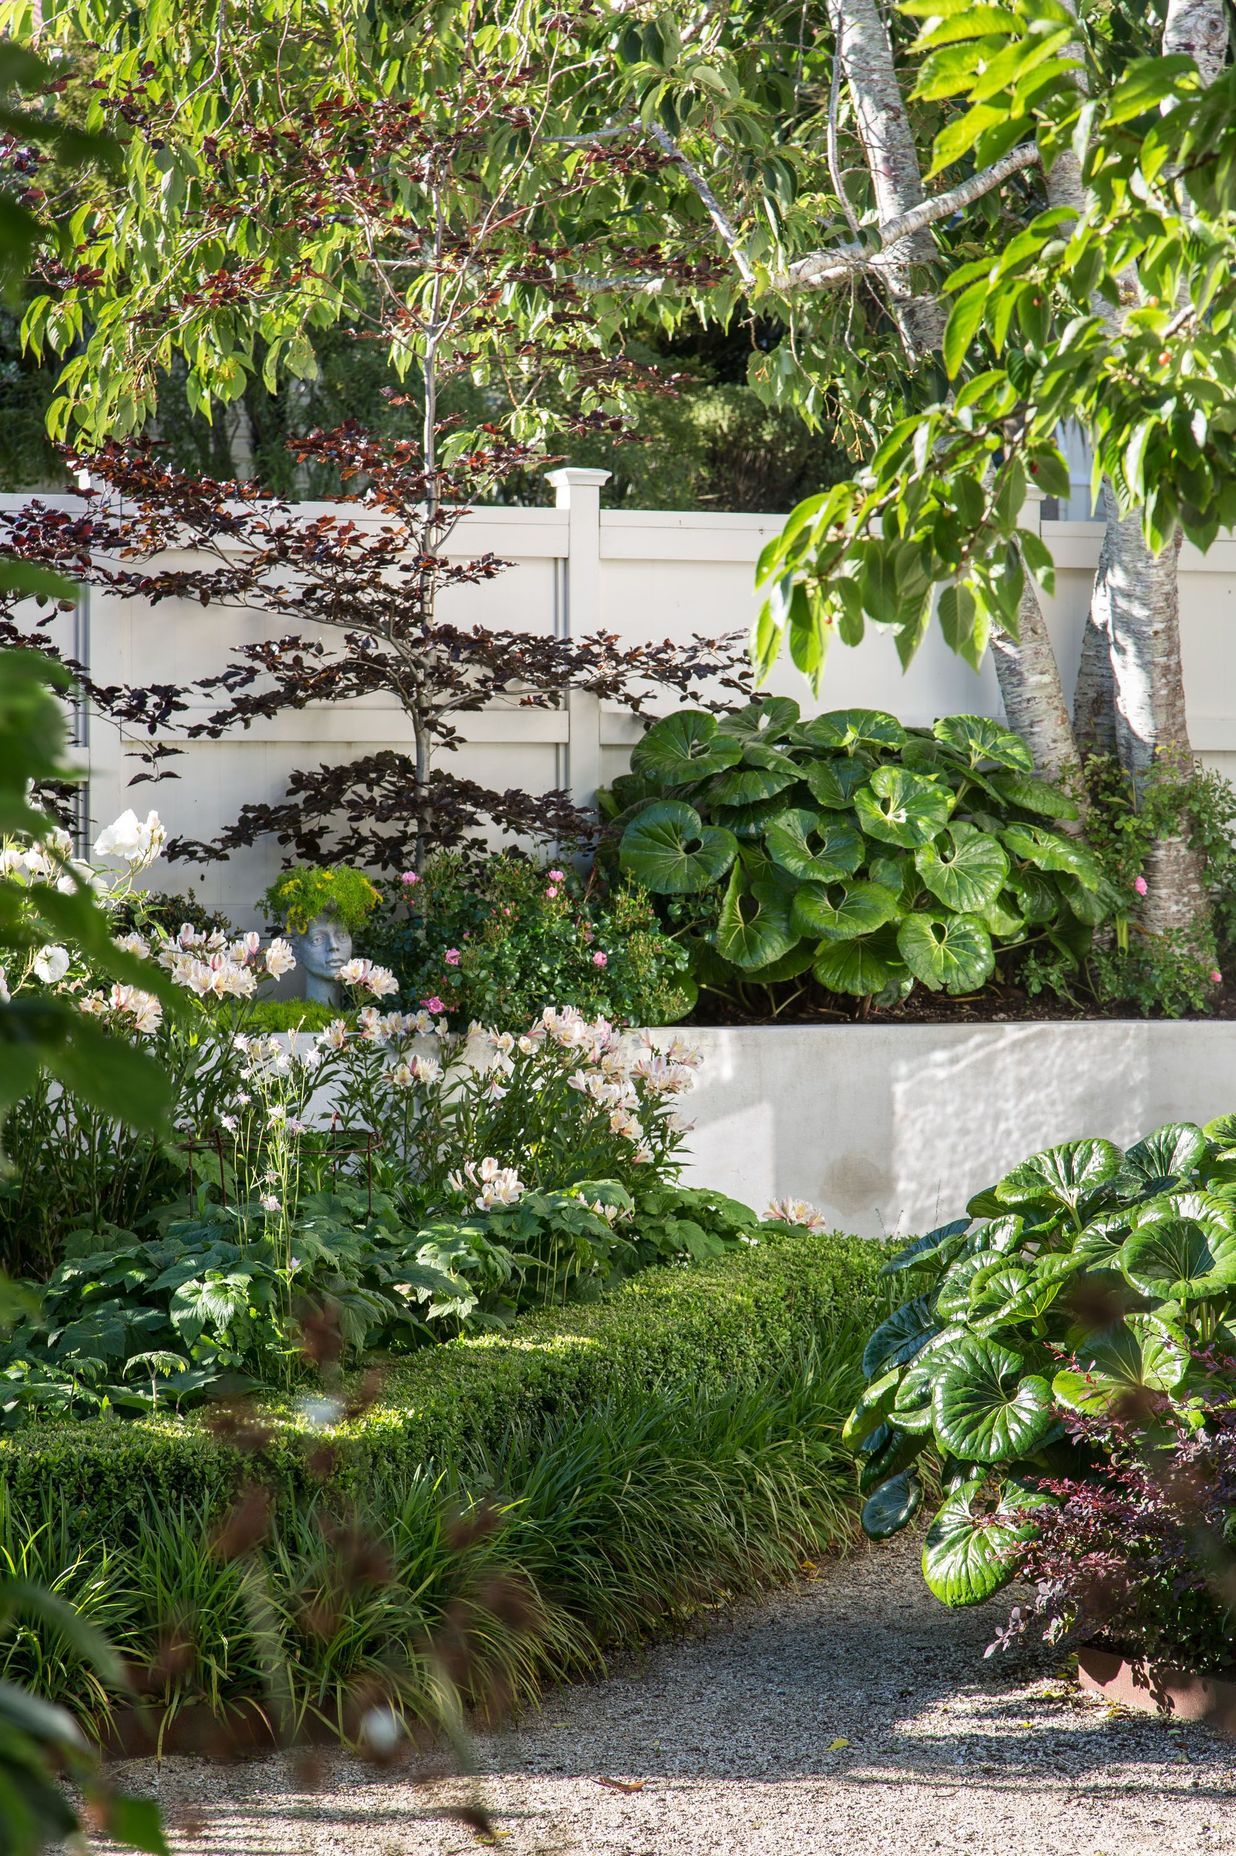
{"points": [[599, 959], [552, 893], [433, 1005], [452, 956], [409, 877], [556, 876], [1216, 978], [1140, 885]]}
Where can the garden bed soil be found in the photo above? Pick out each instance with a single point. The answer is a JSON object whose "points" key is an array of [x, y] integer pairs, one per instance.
{"points": [[1002, 1002], [1156, 1688]]}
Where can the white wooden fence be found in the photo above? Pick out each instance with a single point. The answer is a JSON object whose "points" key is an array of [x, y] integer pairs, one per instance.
{"points": [[578, 569]]}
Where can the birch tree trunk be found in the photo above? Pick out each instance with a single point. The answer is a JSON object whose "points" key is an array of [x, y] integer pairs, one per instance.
{"points": [[1136, 606], [1026, 667]]}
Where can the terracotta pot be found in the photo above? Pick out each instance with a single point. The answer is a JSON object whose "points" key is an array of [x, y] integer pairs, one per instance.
{"points": [[1156, 1688]]}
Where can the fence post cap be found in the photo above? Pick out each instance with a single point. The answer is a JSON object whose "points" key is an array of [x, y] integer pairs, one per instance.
{"points": [[576, 476]]}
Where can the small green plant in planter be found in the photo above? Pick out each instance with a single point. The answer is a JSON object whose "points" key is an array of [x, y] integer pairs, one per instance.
{"points": [[1084, 1279], [869, 856], [299, 895]]}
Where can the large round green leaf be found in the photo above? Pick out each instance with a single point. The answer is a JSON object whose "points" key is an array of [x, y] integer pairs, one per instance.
{"points": [[851, 728], [684, 747], [899, 1336], [887, 1453], [839, 911], [872, 1409], [770, 718], [749, 823], [963, 867], [817, 847], [672, 852], [952, 952], [833, 783], [970, 1549], [888, 1509], [1170, 1154], [753, 927], [1141, 1353], [984, 1409], [1051, 850], [860, 967], [1221, 1132], [1182, 1259], [1071, 1176], [748, 784], [1031, 795], [984, 740], [900, 808], [1006, 1292], [923, 1250]]}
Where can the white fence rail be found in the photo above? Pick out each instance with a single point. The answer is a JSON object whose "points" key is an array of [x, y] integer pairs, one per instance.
{"points": [[577, 569]]}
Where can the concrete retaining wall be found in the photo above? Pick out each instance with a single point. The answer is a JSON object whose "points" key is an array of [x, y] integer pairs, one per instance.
{"points": [[891, 1128]]}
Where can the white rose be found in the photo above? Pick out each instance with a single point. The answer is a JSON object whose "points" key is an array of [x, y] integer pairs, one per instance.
{"points": [[51, 964]]}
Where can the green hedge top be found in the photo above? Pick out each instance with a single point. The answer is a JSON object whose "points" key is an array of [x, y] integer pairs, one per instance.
{"points": [[713, 1325]]}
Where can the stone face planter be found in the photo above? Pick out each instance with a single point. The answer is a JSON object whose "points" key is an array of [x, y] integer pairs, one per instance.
{"points": [[1155, 1688]]}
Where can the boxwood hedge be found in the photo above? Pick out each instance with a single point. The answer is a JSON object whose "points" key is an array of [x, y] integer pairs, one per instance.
{"points": [[701, 1330]]}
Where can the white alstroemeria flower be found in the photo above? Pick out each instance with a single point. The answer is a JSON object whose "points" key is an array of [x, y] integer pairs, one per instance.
{"points": [[133, 841], [381, 982], [426, 1069], [279, 958], [796, 1211], [335, 1035], [504, 1188], [51, 964], [134, 944], [268, 1202]]}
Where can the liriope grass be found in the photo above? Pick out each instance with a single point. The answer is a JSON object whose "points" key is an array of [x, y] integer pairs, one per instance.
{"points": [[608, 1525]]}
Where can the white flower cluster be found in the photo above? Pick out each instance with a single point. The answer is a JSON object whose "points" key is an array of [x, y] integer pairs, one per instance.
{"points": [[623, 1075], [368, 977], [49, 862], [796, 1211], [493, 1183], [133, 841], [212, 966]]}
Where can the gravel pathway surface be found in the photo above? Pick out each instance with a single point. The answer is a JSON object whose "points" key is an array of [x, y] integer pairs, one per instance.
{"points": [[850, 1717]]}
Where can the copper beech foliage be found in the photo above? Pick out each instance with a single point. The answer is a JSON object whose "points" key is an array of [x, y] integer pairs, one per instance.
{"points": [[351, 595]]}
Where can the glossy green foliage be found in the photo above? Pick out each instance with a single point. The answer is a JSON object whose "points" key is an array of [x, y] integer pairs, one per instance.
{"points": [[875, 856], [1086, 1281]]}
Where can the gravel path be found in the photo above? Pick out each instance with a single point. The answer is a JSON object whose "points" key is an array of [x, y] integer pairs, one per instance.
{"points": [[851, 1717]]}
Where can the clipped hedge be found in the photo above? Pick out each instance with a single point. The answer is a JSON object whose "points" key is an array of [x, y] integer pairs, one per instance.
{"points": [[703, 1330]]}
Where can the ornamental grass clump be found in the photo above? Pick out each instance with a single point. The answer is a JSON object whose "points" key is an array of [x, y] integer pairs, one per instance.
{"points": [[1086, 1283], [852, 852]]}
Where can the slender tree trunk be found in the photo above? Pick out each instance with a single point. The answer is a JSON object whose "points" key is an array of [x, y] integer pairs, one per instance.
{"points": [[1094, 696], [1032, 693], [866, 54], [1026, 668]]}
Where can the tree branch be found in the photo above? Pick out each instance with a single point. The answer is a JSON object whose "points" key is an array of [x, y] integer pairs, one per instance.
{"points": [[824, 270]]}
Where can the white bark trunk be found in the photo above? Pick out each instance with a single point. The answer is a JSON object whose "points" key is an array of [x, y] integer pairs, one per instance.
{"points": [[1032, 693], [1094, 696], [1197, 29], [866, 54]]}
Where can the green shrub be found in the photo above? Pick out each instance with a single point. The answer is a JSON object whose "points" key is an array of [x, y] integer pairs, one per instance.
{"points": [[869, 856], [676, 1442], [498, 941], [1085, 1282], [267, 1015], [673, 1329]]}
